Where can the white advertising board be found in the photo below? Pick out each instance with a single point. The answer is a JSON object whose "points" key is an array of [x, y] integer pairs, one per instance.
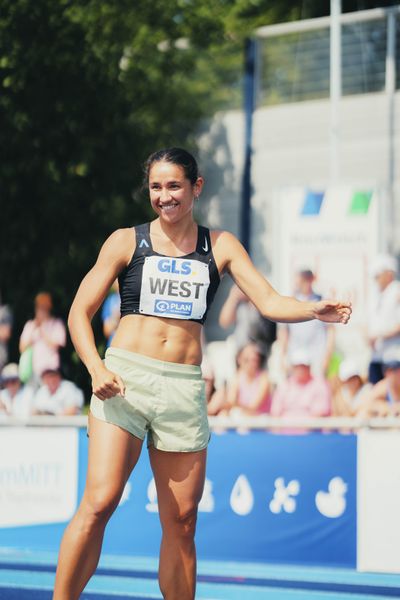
{"points": [[334, 232], [38, 475], [378, 501]]}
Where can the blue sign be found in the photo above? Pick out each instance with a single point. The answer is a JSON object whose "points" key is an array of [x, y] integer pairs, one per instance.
{"points": [[268, 497], [281, 498]]}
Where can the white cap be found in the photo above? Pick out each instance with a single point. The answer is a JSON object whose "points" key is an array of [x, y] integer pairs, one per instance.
{"points": [[10, 371], [382, 263], [349, 368], [300, 357]]}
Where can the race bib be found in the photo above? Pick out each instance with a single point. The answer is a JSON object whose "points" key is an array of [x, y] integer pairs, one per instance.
{"points": [[174, 287]]}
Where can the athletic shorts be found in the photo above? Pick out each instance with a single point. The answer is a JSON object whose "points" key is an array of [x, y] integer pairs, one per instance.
{"points": [[166, 400]]}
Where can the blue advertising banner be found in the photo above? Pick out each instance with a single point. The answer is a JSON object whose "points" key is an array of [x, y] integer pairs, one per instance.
{"points": [[268, 497]]}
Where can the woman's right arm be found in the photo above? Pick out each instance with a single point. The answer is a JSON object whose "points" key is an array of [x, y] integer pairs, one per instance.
{"points": [[113, 257]]}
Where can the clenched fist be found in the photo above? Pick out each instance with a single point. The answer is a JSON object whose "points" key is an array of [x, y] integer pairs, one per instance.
{"points": [[106, 384]]}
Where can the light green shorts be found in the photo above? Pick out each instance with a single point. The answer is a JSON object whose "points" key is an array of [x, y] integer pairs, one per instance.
{"points": [[163, 399]]}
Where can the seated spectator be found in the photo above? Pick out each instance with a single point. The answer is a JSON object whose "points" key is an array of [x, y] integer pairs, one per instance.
{"points": [[303, 394], [56, 396], [216, 399], [385, 395], [249, 392], [352, 394], [16, 400], [46, 335]]}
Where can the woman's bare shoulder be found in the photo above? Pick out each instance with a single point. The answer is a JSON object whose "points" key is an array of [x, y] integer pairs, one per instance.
{"points": [[122, 235], [222, 236], [120, 244]]}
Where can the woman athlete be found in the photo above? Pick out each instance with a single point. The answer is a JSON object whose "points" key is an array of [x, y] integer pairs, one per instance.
{"points": [[150, 381]]}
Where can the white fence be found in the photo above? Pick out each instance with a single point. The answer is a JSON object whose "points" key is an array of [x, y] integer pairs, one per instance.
{"points": [[262, 422]]}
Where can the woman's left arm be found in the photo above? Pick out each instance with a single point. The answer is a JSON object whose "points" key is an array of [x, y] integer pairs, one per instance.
{"points": [[231, 256]]}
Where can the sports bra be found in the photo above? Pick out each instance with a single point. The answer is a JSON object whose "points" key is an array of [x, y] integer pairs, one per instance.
{"points": [[157, 285]]}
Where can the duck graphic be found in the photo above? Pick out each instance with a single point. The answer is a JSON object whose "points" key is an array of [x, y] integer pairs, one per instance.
{"points": [[332, 503]]}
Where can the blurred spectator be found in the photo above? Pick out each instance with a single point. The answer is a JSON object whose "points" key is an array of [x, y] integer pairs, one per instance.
{"points": [[250, 325], [56, 396], [303, 394], [45, 334], [5, 332], [314, 336], [216, 399], [384, 317], [385, 395], [110, 313], [16, 399], [352, 394], [249, 392]]}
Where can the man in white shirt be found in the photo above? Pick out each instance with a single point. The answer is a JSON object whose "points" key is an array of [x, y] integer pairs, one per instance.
{"points": [[16, 400], [384, 314], [314, 337], [56, 396]]}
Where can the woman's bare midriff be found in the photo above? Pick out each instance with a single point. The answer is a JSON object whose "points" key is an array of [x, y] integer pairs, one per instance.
{"points": [[169, 340]]}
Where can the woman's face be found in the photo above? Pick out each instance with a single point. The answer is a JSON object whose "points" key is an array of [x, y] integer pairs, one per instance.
{"points": [[249, 360], [171, 193]]}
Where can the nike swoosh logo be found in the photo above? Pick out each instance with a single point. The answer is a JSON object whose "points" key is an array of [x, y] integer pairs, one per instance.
{"points": [[205, 247]]}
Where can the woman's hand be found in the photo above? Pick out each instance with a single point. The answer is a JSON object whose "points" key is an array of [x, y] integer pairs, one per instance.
{"points": [[331, 311], [106, 384]]}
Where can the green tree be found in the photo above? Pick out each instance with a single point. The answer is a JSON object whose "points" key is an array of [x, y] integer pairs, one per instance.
{"points": [[88, 89]]}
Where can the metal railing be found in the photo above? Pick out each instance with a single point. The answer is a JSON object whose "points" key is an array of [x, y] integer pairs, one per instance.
{"points": [[296, 65], [261, 422]]}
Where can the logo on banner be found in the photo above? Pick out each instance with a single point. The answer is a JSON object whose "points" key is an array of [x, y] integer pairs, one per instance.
{"points": [[332, 503], [37, 486], [242, 498], [152, 505], [206, 504], [126, 494], [284, 496]]}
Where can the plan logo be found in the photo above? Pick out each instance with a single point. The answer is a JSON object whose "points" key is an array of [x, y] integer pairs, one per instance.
{"points": [[283, 499], [173, 307]]}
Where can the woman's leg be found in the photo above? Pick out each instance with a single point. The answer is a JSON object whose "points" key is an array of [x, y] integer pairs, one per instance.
{"points": [[179, 478], [113, 452]]}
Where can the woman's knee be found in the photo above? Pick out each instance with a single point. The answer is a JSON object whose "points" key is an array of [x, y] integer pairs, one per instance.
{"points": [[182, 521], [98, 505]]}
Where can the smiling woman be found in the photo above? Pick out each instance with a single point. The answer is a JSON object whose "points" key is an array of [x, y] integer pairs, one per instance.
{"points": [[150, 380]]}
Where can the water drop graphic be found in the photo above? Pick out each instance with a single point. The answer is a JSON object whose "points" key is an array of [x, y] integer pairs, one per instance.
{"points": [[242, 498]]}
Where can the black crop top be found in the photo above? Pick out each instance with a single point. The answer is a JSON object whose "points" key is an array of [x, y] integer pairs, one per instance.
{"points": [[164, 286]]}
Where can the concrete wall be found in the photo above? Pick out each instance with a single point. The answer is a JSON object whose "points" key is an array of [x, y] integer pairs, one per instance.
{"points": [[291, 147]]}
